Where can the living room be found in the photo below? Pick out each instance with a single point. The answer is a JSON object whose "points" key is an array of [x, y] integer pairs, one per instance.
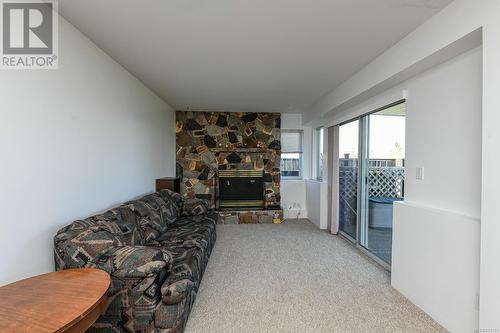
{"points": [[249, 166]]}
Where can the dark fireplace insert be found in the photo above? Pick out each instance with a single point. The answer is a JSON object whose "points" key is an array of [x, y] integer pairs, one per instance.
{"points": [[241, 188]]}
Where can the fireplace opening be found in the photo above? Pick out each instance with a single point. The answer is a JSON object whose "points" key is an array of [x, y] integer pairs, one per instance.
{"points": [[241, 188]]}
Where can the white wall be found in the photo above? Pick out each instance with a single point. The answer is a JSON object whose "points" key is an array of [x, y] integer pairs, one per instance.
{"points": [[490, 228], [313, 189], [435, 263], [73, 142], [293, 198], [443, 134], [436, 232], [317, 193]]}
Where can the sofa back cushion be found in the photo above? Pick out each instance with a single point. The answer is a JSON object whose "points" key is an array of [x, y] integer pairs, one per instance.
{"points": [[154, 213], [148, 219], [172, 203], [122, 221]]}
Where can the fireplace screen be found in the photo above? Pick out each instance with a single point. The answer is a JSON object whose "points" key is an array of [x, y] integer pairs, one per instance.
{"points": [[241, 188]]}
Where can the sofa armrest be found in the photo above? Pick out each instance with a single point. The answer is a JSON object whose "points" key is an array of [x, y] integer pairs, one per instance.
{"points": [[133, 261], [182, 278], [81, 242]]}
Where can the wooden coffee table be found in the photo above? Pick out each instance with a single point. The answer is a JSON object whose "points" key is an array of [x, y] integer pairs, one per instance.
{"points": [[64, 301]]}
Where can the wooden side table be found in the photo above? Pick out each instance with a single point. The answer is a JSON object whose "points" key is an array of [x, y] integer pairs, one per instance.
{"points": [[65, 301], [168, 183]]}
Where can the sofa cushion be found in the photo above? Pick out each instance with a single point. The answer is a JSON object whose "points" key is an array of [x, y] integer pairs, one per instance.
{"points": [[133, 261], [193, 231], [194, 207]]}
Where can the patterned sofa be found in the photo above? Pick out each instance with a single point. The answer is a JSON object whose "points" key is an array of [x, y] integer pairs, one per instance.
{"points": [[155, 248]]}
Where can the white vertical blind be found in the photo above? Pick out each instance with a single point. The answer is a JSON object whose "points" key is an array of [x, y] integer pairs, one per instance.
{"points": [[291, 141]]}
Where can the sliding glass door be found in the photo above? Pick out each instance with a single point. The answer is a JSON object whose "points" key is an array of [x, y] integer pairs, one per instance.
{"points": [[371, 178]]}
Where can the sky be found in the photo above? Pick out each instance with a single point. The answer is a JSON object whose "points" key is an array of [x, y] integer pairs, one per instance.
{"points": [[387, 137]]}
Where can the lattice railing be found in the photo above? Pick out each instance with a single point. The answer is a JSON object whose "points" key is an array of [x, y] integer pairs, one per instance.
{"points": [[348, 179], [385, 182]]}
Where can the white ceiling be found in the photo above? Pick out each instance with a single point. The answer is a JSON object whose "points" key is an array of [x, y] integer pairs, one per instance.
{"points": [[245, 55]]}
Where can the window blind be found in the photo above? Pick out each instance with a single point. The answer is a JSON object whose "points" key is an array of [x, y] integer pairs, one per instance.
{"points": [[291, 141]]}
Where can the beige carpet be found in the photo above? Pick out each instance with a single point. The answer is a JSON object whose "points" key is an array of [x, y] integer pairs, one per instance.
{"points": [[296, 278]]}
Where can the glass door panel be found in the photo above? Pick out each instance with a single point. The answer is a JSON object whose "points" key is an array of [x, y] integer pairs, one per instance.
{"points": [[348, 178], [384, 177]]}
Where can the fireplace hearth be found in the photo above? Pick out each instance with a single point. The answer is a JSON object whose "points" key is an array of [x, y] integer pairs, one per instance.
{"points": [[240, 189]]}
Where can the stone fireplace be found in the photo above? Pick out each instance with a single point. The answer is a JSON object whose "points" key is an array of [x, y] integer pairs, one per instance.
{"points": [[244, 149]]}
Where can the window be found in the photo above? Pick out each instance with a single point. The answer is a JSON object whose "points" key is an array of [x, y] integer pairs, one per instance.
{"points": [[319, 153], [291, 154]]}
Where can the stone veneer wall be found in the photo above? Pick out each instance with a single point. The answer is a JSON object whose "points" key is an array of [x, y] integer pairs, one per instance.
{"points": [[211, 141]]}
